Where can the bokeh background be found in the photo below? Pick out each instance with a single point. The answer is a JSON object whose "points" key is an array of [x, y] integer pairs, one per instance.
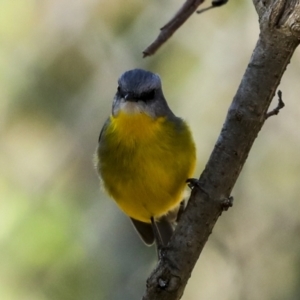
{"points": [[61, 238]]}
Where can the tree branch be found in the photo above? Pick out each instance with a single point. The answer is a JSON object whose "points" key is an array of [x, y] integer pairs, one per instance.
{"points": [[188, 8], [279, 37]]}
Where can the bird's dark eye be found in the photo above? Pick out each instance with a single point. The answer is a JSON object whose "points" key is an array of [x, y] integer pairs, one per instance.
{"points": [[120, 92], [147, 95]]}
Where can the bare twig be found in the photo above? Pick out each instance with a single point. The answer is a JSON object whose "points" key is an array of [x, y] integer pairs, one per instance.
{"points": [[215, 3], [188, 8], [276, 110]]}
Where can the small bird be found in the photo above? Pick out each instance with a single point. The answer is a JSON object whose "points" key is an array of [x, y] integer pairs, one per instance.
{"points": [[145, 155]]}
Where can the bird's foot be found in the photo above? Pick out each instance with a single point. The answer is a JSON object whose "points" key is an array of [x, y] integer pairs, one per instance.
{"points": [[192, 182]]}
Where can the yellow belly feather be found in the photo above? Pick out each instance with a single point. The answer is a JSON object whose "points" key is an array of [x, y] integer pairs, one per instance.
{"points": [[144, 163]]}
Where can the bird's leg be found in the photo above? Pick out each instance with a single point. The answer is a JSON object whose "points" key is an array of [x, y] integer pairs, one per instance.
{"points": [[226, 203], [180, 210], [194, 182]]}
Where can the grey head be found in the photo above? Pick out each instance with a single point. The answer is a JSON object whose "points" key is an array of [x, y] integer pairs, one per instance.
{"points": [[140, 91]]}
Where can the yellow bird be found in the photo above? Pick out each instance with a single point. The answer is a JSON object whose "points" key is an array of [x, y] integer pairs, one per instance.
{"points": [[145, 155]]}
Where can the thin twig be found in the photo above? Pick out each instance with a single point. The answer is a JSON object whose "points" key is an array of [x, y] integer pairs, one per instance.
{"points": [[188, 8], [214, 3], [276, 110]]}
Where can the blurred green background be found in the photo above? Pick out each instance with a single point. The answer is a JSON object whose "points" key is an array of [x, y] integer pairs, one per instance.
{"points": [[61, 238]]}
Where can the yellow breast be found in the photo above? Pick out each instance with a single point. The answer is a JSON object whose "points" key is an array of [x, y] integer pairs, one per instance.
{"points": [[144, 163]]}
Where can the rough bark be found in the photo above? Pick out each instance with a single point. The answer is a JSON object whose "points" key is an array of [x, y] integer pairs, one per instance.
{"points": [[279, 37]]}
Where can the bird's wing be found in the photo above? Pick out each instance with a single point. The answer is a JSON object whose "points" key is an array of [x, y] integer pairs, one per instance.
{"points": [[144, 230], [102, 130]]}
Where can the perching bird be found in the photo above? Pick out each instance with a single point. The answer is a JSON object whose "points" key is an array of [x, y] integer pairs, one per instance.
{"points": [[145, 155]]}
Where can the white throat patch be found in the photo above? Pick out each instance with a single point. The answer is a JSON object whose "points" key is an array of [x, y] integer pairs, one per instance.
{"points": [[132, 107]]}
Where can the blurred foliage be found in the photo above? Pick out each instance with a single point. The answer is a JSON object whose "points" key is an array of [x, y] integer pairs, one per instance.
{"points": [[60, 236]]}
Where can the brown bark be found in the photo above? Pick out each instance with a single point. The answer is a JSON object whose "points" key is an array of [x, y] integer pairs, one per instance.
{"points": [[279, 37]]}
